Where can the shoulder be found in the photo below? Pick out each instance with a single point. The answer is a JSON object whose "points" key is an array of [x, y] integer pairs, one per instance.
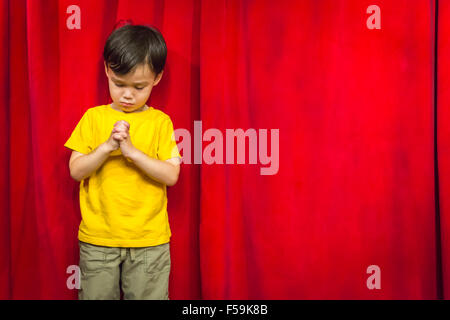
{"points": [[160, 116], [96, 110]]}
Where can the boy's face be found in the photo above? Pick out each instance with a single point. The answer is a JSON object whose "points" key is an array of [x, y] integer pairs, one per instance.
{"points": [[130, 92]]}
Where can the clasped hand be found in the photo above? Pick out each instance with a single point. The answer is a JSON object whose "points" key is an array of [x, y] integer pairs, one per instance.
{"points": [[121, 135]]}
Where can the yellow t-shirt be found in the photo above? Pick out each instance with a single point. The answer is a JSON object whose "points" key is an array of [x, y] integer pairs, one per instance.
{"points": [[120, 205]]}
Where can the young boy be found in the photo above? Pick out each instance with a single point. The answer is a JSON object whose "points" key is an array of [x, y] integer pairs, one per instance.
{"points": [[124, 156]]}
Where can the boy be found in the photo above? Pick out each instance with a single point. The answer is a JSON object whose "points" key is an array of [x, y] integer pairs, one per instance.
{"points": [[124, 156]]}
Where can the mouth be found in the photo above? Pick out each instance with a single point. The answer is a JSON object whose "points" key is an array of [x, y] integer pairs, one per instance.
{"points": [[126, 104]]}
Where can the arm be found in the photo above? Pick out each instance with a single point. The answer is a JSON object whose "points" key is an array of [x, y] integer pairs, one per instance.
{"points": [[82, 165], [165, 172]]}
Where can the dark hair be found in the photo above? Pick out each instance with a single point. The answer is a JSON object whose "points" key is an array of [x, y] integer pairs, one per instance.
{"points": [[132, 45]]}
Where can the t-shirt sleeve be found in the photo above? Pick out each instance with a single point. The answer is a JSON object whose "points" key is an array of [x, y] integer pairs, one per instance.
{"points": [[167, 146], [81, 137]]}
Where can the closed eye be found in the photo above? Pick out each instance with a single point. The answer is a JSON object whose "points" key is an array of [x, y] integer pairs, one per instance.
{"points": [[121, 85]]}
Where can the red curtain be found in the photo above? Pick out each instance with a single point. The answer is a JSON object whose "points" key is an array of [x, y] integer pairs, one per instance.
{"points": [[354, 109], [443, 140]]}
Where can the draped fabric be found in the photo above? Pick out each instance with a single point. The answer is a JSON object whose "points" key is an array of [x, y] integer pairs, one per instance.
{"points": [[358, 144], [443, 141]]}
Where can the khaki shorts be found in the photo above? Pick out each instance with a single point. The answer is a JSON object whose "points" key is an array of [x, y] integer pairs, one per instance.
{"points": [[141, 273]]}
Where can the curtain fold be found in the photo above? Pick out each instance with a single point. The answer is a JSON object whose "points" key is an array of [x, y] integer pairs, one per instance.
{"points": [[341, 118], [443, 141], [5, 240]]}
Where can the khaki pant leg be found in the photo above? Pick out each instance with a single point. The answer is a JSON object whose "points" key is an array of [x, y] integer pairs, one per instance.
{"points": [[145, 273], [100, 272]]}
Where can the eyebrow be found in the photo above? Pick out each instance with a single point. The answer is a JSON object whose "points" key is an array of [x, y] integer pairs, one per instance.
{"points": [[135, 83]]}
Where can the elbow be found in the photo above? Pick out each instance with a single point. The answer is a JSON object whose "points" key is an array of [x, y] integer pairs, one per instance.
{"points": [[75, 175], [171, 182], [173, 179]]}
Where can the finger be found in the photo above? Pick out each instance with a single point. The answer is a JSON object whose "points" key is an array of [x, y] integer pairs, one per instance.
{"points": [[119, 130], [122, 126], [117, 136], [118, 124], [123, 122]]}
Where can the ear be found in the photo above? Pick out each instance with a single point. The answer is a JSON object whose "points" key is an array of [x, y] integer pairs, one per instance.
{"points": [[106, 68], [158, 78]]}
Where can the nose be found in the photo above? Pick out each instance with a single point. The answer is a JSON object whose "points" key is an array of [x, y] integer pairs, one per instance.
{"points": [[127, 94]]}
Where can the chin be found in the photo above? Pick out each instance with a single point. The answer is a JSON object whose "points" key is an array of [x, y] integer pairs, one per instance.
{"points": [[128, 108]]}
